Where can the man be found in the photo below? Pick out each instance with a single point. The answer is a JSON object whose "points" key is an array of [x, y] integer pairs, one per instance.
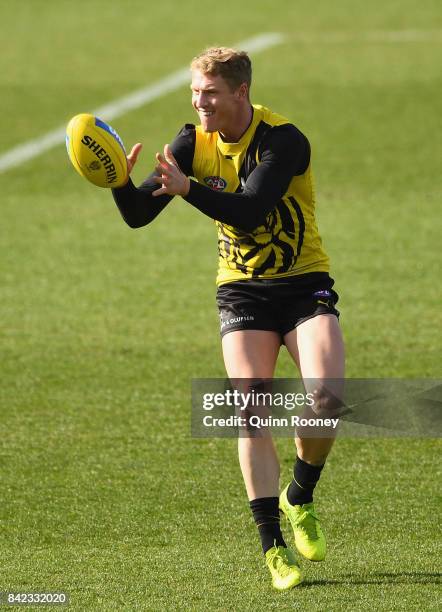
{"points": [[253, 177]]}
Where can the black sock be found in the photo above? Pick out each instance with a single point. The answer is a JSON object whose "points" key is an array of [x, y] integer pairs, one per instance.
{"points": [[266, 514], [302, 486]]}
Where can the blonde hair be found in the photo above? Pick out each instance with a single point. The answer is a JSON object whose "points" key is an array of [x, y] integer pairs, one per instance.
{"points": [[234, 66]]}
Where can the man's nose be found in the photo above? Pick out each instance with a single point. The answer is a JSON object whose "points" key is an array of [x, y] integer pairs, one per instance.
{"points": [[200, 100]]}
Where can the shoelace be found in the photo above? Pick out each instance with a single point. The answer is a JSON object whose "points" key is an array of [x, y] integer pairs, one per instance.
{"points": [[307, 522], [279, 561]]}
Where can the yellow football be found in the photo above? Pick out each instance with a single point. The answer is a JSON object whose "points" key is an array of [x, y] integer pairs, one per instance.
{"points": [[96, 151]]}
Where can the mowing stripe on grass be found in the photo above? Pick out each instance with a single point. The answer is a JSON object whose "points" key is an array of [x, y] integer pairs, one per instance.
{"points": [[28, 150]]}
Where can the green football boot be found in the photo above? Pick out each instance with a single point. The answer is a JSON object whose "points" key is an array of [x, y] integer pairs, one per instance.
{"points": [[284, 568], [309, 539]]}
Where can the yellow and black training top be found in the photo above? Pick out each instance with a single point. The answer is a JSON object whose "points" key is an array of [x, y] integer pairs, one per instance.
{"points": [[259, 191]]}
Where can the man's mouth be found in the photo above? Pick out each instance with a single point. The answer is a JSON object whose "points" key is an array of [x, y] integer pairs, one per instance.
{"points": [[206, 113]]}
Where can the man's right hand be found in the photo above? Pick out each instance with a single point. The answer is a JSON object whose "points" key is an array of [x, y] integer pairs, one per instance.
{"points": [[132, 157]]}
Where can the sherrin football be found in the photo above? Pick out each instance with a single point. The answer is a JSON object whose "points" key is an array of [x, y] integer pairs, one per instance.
{"points": [[96, 151]]}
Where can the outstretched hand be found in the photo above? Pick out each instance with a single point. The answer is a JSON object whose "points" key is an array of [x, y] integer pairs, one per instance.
{"points": [[171, 179], [133, 156]]}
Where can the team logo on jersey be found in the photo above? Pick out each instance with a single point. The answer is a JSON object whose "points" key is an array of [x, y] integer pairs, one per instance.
{"points": [[215, 182]]}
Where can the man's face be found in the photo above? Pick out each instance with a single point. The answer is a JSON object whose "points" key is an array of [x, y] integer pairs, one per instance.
{"points": [[214, 101]]}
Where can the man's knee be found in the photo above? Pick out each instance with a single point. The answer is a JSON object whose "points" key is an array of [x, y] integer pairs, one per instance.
{"points": [[328, 402], [255, 412]]}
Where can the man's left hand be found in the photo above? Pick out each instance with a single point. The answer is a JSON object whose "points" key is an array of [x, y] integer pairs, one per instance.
{"points": [[171, 179]]}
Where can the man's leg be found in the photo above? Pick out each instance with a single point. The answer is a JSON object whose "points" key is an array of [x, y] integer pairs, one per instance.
{"points": [[252, 354], [318, 349]]}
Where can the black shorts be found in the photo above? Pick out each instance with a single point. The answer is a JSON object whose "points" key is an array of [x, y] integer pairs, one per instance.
{"points": [[275, 304]]}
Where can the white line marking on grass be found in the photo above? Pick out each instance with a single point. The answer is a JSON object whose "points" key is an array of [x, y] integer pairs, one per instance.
{"points": [[395, 36], [28, 150], [370, 36]]}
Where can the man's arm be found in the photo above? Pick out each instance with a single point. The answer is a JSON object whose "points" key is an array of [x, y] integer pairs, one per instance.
{"points": [[285, 154], [136, 204]]}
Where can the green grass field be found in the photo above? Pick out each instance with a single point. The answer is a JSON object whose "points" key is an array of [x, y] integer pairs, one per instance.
{"points": [[104, 494]]}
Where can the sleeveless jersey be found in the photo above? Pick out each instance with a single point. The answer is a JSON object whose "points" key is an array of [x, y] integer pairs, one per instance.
{"points": [[288, 242]]}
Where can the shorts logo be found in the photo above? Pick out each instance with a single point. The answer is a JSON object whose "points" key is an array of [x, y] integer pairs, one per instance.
{"points": [[215, 182], [323, 293], [324, 297], [233, 320]]}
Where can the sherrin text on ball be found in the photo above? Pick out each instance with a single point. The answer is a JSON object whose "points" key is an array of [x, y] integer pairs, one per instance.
{"points": [[96, 151]]}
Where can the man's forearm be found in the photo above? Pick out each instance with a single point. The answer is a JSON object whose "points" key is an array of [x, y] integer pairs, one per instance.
{"points": [[241, 210], [137, 205]]}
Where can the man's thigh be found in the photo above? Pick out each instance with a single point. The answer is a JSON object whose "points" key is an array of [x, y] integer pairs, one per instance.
{"points": [[317, 347], [251, 353]]}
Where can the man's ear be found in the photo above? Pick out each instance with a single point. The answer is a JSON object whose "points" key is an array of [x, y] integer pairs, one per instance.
{"points": [[243, 91]]}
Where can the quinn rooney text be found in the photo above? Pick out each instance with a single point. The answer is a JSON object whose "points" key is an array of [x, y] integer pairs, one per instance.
{"points": [[260, 422]]}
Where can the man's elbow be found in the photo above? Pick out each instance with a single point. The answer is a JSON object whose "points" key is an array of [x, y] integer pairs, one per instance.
{"points": [[134, 222], [247, 226], [135, 225], [254, 214], [250, 223]]}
